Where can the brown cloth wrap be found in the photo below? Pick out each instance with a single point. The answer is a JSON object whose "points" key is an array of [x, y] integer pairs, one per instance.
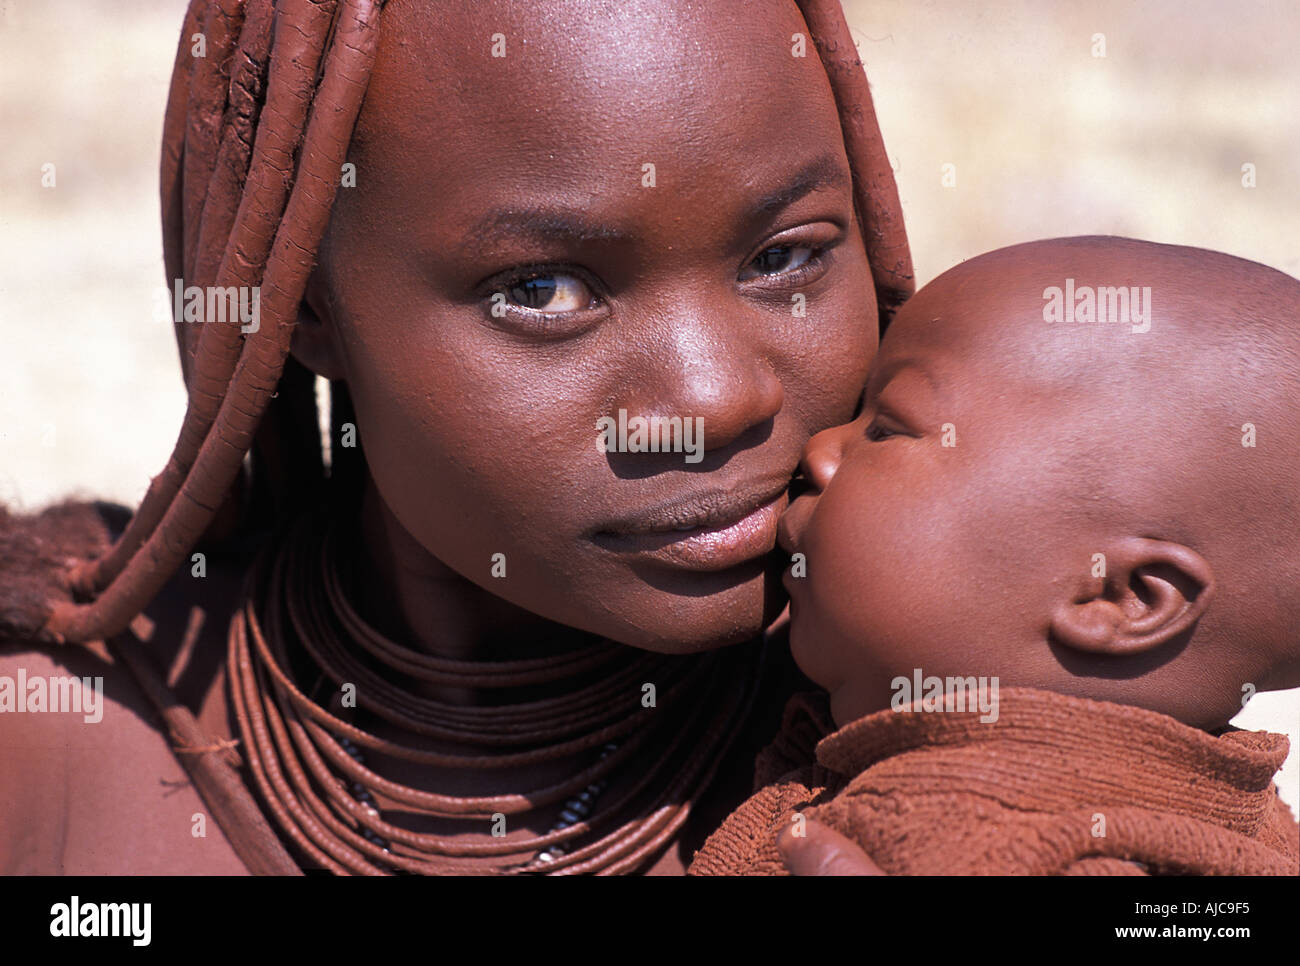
{"points": [[942, 793]]}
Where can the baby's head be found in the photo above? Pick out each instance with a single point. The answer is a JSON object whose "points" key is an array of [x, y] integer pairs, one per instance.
{"points": [[1106, 504]]}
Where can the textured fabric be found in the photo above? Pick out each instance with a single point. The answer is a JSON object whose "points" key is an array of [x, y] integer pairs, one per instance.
{"points": [[1056, 786]]}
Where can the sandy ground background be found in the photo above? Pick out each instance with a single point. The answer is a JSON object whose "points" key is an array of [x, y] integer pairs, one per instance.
{"points": [[1046, 139]]}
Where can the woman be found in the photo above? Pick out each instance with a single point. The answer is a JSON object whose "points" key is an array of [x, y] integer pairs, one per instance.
{"points": [[490, 230]]}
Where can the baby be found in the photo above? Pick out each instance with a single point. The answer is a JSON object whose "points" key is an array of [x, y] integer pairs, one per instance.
{"points": [[1041, 571]]}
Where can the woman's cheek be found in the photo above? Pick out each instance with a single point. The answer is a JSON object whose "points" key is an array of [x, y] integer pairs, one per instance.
{"points": [[471, 476], [840, 343]]}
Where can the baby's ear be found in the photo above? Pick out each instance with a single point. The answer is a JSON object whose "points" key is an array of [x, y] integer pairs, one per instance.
{"points": [[1143, 593], [314, 343]]}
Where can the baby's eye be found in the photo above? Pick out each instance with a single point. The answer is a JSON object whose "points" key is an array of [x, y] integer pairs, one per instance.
{"points": [[876, 431], [780, 259], [551, 294]]}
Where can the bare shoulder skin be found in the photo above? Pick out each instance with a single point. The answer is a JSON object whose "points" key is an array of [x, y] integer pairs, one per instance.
{"points": [[107, 796]]}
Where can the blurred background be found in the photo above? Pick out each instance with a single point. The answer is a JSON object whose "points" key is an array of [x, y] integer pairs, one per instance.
{"points": [[1044, 135]]}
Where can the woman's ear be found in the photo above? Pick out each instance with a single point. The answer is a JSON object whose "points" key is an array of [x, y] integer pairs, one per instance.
{"points": [[1147, 593], [314, 343]]}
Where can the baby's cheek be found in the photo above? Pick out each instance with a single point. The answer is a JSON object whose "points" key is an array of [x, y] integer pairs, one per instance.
{"points": [[827, 613], [870, 557]]}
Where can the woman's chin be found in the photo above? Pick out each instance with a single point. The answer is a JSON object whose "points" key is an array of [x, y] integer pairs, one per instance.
{"points": [[675, 637], [668, 612], [688, 624]]}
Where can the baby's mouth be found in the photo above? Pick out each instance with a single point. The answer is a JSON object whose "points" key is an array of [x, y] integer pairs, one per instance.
{"points": [[803, 500]]}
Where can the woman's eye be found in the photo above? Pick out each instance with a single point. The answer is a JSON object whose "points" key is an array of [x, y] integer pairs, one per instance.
{"points": [[780, 259], [549, 294]]}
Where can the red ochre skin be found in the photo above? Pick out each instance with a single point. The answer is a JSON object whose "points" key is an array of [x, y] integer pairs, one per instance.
{"points": [[111, 798], [479, 431], [1072, 439]]}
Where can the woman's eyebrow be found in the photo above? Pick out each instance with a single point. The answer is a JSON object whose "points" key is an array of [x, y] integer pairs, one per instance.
{"points": [[542, 224], [826, 171]]}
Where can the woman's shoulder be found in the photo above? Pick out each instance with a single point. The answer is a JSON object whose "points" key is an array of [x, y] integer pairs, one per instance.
{"points": [[91, 783]]}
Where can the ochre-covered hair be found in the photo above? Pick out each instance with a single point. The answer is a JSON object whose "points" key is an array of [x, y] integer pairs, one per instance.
{"points": [[255, 135]]}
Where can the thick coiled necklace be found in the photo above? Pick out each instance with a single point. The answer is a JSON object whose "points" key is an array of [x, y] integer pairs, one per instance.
{"points": [[639, 766]]}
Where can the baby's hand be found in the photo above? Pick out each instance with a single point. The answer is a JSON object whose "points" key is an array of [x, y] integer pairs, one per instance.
{"points": [[823, 851]]}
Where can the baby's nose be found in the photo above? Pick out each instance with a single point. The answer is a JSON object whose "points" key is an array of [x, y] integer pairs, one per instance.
{"points": [[821, 457]]}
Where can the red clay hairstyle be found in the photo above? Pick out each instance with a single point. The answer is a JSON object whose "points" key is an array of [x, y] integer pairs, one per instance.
{"points": [[255, 134]]}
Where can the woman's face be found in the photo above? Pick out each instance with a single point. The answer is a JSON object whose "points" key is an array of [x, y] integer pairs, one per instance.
{"points": [[640, 207]]}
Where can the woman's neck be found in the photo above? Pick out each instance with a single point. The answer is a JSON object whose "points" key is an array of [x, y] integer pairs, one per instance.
{"points": [[406, 593]]}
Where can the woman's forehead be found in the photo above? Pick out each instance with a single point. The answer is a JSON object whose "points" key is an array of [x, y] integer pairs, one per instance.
{"points": [[562, 92], [556, 70]]}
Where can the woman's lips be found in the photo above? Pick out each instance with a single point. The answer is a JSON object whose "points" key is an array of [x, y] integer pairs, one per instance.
{"points": [[724, 541]]}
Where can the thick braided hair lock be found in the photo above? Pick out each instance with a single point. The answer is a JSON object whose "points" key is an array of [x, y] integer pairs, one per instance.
{"points": [[254, 138]]}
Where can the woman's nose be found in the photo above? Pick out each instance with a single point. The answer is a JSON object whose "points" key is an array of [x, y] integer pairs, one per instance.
{"points": [[821, 456], [729, 388]]}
